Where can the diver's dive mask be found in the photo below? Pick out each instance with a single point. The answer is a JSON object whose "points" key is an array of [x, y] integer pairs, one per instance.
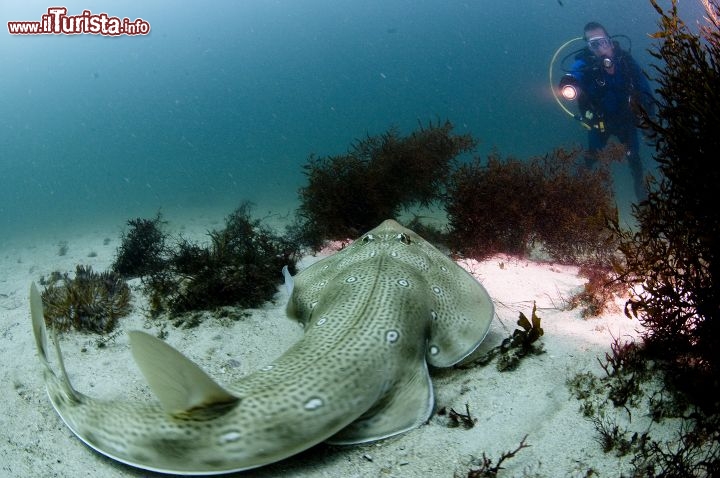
{"points": [[597, 43]]}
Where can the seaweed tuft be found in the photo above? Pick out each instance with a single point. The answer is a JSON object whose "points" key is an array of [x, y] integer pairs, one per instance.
{"points": [[90, 301], [598, 294], [241, 266], [143, 248], [550, 202], [351, 193]]}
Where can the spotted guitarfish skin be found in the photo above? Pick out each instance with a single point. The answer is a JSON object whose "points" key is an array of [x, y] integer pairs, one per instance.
{"points": [[375, 314]]}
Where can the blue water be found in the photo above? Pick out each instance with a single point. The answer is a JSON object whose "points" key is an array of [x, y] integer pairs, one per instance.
{"points": [[224, 101]]}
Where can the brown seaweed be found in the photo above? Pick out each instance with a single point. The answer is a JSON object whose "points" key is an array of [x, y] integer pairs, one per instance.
{"points": [[90, 301], [513, 206], [351, 193], [241, 266]]}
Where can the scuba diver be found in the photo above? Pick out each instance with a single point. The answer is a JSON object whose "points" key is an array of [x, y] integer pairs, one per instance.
{"points": [[609, 88]]}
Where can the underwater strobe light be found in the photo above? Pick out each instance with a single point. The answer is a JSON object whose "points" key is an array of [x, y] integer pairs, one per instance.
{"points": [[569, 87]]}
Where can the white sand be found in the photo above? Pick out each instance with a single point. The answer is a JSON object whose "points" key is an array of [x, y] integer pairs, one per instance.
{"points": [[532, 400]]}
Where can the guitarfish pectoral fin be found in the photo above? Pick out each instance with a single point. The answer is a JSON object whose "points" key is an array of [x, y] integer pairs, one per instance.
{"points": [[463, 317], [407, 405], [179, 384]]}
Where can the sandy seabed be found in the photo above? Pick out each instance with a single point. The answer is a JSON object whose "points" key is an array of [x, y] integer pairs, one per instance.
{"points": [[532, 401]]}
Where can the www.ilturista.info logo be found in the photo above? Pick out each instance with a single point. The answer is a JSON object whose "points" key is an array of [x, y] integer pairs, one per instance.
{"points": [[57, 22]]}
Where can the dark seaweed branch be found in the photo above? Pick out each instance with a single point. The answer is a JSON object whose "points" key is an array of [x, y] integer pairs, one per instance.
{"points": [[673, 256], [489, 469], [459, 419], [671, 261]]}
